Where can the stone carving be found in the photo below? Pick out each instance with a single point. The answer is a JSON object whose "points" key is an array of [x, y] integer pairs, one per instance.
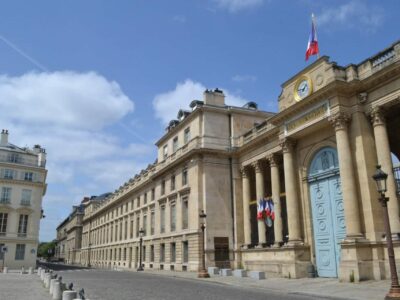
{"points": [[273, 160], [244, 170], [363, 97], [287, 145], [339, 121], [378, 116], [319, 80], [257, 165]]}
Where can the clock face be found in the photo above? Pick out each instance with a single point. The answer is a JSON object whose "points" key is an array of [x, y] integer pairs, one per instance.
{"points": [[303, 88]]}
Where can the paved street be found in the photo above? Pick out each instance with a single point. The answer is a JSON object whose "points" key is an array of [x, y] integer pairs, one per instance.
{"points": [[15, 286], [108, 285]]}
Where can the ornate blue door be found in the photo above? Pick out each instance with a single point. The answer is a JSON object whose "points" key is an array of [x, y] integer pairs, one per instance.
{"points": [[327, 211]]}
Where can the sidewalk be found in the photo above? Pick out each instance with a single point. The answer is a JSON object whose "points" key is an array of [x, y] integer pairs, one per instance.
{"points": [[328, 288], [15, 286]]}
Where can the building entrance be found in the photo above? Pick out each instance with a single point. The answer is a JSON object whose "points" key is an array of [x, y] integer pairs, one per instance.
{"points": [[327, 211]]}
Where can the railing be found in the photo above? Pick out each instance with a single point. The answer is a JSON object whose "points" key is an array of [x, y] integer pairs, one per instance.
{"points": [[396, 172], [25, 203], [22, 161], [383, 59], [5, 201]]}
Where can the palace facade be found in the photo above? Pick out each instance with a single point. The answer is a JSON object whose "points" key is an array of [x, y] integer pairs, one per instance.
{"points": [[313, 160]]}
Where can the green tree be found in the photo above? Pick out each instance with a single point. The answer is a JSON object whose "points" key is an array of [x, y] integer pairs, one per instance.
{"points": [[46, 249]]}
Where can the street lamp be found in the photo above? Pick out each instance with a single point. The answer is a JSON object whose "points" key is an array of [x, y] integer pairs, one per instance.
{"points": [[380, 178], [141, 233], [202, 270]]}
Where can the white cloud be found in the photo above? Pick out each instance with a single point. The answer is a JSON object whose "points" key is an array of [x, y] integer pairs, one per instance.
{"points": [[242, 78], [237, 5], [352, 14], [167, 105]]}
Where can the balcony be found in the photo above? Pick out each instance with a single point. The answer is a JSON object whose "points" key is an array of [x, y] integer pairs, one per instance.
{"points": [[25, 203], [5, 201]]}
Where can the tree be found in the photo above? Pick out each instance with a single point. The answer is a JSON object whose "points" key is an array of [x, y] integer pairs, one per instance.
{"points": [[46, 249]]}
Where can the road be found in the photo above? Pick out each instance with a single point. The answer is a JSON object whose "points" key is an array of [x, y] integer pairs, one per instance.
{"points": [[110, 285]]}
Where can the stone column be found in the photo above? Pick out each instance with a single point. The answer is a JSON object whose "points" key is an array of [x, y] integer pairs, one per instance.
{"points": [[260, 195], [246, 206], [346, 167], [276, 198], [385, 160], [292, 201]]}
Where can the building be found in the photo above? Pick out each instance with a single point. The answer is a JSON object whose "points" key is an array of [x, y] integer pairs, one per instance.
{"points": [[22, 187], [311, 164]]}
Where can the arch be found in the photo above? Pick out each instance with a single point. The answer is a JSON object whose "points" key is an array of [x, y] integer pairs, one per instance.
{"points": [[324, 161]]}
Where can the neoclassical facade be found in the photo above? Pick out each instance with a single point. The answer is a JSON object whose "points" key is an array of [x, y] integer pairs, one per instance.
{"points": [[22, 187], [289, 193]]}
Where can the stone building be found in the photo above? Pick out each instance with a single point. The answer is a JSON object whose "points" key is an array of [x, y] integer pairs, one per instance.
{"points": [[308, 167], [22, 187]]}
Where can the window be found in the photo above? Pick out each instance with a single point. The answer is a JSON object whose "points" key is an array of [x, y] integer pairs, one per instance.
{"points": [[137, 225], [5, 195], [20, 252], [138, 201], [144, 253], [144, 225], [28, 176], [174, 144], [172, 182], [165, 152], [162, 252], [124, 257], [22, 225], [120, 230], [163, 187], [13, 157], [131, 229], [8, 174], [173, 252], [186, 135], [26, 197], [126, 229], [145, 198], [3, 223], [184, 177], [116, 232], [185, 252], [126, 207], [185, 213], [152, 222], [173, 217], [162, 219], [152, 253], [153, 194]]}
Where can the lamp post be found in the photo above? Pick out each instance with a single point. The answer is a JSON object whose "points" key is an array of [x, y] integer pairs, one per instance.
{"points": [[380, 179], [141, 232], [202, 270]]}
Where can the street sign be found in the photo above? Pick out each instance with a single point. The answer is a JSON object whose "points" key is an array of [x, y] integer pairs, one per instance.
{"points": [[4, 249]]}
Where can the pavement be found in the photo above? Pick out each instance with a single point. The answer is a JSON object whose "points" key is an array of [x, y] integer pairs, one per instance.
{"points": [[15, 286]]}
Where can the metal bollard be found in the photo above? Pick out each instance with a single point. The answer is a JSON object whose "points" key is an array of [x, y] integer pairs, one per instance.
{"points": [[52, 281], [69, 295], [57, 293]]}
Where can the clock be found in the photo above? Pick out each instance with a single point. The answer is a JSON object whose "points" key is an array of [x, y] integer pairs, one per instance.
{"points": [[302, 88]]}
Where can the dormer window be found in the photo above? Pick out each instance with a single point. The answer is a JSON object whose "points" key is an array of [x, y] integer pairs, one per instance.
{"points": [[186, 135], [175, 144], [165, 152]]}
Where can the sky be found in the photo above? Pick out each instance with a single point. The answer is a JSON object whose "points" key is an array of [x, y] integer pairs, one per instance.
{"points": [[94, 82]]}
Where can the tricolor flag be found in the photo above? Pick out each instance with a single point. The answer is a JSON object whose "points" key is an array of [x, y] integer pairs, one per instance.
{"points": [[312, 47]]}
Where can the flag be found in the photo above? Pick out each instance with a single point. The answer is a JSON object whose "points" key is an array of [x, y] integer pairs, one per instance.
{"points": [[312, 47], [260, 209]]}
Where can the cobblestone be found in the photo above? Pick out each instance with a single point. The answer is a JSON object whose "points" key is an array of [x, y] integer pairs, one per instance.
{"points": [[15, 286]]}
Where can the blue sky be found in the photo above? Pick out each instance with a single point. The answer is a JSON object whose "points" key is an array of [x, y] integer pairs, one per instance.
{"points": [[95, 81]]}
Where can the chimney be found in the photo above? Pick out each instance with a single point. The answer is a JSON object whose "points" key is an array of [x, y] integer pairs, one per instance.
{"points": [[4, 137], [215, 97]]}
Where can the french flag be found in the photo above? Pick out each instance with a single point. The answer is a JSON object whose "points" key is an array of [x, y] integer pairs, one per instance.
{"points": [[312, 47]]}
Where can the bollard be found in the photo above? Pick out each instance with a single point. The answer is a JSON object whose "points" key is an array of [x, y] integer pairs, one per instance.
{"points": [[5, 270], [38, 271], [22, 270], [69, 295], [47, 281], [30, 270], [51, 290], [42, 274], [57, 293]]}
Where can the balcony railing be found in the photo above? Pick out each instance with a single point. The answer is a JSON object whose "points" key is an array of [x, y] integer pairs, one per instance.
{"points": [[396, 172], [25, 203], [22, 161], [5, 201]]}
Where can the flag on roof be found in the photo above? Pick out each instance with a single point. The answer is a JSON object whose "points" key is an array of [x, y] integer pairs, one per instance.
{"points": [[312, 47]]}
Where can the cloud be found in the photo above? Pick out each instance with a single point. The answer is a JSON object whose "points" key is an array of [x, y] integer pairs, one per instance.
{"points": [[352, 14], [242, 78], [237, 5], [167, 105]]}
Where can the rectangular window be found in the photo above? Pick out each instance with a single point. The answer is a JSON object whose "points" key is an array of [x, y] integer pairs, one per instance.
{"points": [[185, 213], [145, 198], [13, 157], [174, 144], [144, 225], [152, 222], [26, 197], [137, 225], [162, 219], [165, 152], [173, 217], [185, 251], [3, 223], [186, 135], [22, 225], [120, 230], [184, 177], [28, 176], [152, 253], [162, 252], [163, 187], [173, 252], [5, 195], [126, 229], [131, 229], [138, 201], [1, 252], [8, 174], [116, 232], [153, 194], [144, 253], [172, 182], [20, 252]]}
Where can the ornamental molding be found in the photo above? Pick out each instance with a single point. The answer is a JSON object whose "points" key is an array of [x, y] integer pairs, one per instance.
{"points": [[287, 145], [273, 160], [340, 121], [378, 116]]}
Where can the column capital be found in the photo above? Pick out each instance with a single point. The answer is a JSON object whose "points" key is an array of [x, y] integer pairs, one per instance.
{"points": [[339, 121], [257, 165], [287, 145], [378, 116], [273, 160], [244, 170]]}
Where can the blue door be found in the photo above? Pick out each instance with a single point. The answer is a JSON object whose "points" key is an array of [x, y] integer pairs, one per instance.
{"points": [[327, 211]]}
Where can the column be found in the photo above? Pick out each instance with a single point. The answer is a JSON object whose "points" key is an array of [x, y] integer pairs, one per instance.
{"points": [[246, 206], [260, 195], [292, 201], [276, 198], [385, 160], [346, 167]]}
